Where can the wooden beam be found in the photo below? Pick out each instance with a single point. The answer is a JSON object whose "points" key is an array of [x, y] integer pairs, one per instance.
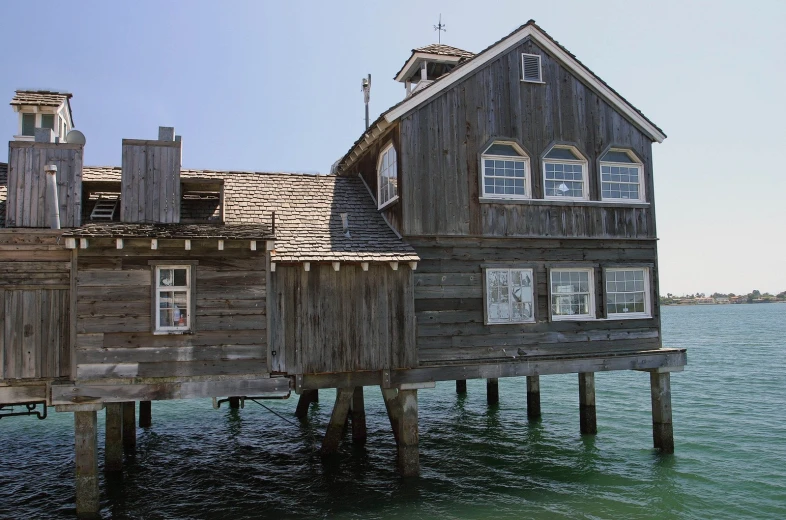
{"points": [[253, 245], [303, 403], [113, 439], [145, 414], [272, 267], [358, 417], [338, 419], [129, 426], [154, 243], [390, 396], [70, 243], [82, 243], [492, 391], [306, 266], [364, 266], [187, 245], [220, 245], [662, 428], [336, 266], [408, 450], [533, 397], [461, 386], [394, 266], [587, 417], [119, 243], [270, 245], [86, 462], [413, 266]]}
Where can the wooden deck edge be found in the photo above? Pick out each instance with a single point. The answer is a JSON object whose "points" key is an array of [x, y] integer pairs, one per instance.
{"points": [[22, 394]]}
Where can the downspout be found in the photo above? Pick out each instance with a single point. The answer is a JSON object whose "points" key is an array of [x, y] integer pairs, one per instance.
{"points": [[51, 191]]}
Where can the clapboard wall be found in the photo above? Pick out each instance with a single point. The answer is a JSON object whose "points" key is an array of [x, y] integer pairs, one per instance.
{"points": [[326, 321], [114, 323], [441, 143], [449, 300], [150, 187], [27, 204], [34, 306]]}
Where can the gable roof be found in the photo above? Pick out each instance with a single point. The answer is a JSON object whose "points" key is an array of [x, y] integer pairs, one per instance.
{"points": [[308, 208], [468, 66]]}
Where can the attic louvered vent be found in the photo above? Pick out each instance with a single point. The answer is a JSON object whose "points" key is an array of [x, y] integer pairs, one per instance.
{"points": [[530, 68], [104, 209]]}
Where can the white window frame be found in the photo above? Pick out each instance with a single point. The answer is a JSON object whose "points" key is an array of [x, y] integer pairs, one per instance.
{"points": [[380, 203], [647, 298], [637, 163], [487, 300], [527, 171], [157, 288], [540, 68], [592, 305], [584, 176]]}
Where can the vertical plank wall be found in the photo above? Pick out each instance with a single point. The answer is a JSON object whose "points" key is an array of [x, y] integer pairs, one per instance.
{"points": [[150, 188]]}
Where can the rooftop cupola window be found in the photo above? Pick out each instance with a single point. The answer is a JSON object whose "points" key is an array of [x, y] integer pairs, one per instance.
{"points": [[429, 63], [42, 109]]}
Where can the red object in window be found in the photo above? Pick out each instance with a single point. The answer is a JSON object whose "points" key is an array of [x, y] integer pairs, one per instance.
{"points": [[182, 321]]}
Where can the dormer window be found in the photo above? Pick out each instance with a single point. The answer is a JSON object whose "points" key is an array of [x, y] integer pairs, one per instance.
{"points": [[505, 169], [28, 124], [621, 177], [387, 177], [565, 174]]}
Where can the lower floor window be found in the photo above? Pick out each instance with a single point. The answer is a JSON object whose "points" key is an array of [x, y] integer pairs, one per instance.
{"points": [[509, 296], [572, 296], [627, 292], [173, 298]]}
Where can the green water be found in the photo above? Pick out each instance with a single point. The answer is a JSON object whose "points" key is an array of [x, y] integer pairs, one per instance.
{"points": [[477, 462]]}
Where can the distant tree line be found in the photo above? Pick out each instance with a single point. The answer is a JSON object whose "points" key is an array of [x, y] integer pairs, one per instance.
{"points": [[755, 296]]}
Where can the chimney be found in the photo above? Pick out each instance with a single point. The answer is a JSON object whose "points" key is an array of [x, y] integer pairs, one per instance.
{"points": [[150, 190], [51, 195]]}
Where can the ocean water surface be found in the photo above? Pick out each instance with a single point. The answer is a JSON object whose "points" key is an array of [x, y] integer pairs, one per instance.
{"points": [[476, 461]]}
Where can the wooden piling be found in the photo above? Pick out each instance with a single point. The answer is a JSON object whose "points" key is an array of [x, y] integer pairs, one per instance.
{"points": [[587, 417], [306, 398], [86, 444], [390, 396], [145, 414], [129, 426], [492, 390], [533, 397], [662, 429], [461, 386], [408, 452], [358, 417], [234, 403], [113, 440], [338, 420]]}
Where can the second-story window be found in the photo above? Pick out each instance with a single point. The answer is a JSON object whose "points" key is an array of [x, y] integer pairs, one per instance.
{"points": [[565, 174], [621, 177], [505, 169], [387, 176], [48, 121], [172, 298], [28, 124]]}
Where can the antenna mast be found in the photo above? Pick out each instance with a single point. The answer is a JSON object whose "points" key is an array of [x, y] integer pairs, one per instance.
{"points": [[365, 86], [440, 28]]}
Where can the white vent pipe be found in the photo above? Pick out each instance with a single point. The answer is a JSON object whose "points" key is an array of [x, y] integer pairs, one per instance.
{"points": [[51, 191]]}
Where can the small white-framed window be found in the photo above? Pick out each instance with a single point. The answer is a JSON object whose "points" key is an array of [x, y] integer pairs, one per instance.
{"points": [[173, 285], [509, 295], [572, 294], [621, 176], [628, 292], [565, 174], [531, 70], [505, 169], [387, 177], [28, 124]]}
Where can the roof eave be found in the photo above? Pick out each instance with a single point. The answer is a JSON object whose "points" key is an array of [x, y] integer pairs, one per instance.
{"points": [[407, 70]]}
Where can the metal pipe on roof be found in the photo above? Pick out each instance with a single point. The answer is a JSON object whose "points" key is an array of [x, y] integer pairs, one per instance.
{"points": [[51, 188]]}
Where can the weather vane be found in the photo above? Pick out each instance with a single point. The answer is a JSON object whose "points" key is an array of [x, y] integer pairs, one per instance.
{"points": [[440, 28]]}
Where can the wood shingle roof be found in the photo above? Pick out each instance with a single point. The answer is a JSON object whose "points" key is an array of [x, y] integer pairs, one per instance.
{"points": [[44, 98]]}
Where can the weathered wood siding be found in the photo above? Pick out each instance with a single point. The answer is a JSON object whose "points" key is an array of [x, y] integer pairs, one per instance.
{"points": [[27, 195], [114, 322], [324, 321], [150, 188], [441, 144], [34, 305], [449, 300]]}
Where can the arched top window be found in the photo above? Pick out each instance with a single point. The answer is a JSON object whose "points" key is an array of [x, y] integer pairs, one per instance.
{"points": [[565, 174], [387, 177], [505, 171], [621, 176]]}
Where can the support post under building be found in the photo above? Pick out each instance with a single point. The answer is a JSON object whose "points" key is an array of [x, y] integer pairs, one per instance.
{"points": [[86, 444], [662, 429], [113, 439], [587, 417], [533, 397]]}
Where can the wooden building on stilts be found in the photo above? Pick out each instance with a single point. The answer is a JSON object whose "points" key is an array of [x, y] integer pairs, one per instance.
{"points": [[498, 222]]}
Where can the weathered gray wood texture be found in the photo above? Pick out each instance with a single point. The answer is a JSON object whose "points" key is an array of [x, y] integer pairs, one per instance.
{"points": [[114, 323], [449, 301], [150, 188], [34, 305], [327, 321], [27, 204], [440, 144]]}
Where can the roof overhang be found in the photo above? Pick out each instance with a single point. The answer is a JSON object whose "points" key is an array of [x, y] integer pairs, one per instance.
{"points": [[549, 45], [412, 66]]}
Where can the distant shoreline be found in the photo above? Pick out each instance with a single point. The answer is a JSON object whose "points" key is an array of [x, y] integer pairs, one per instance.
{"points": [[686, 304]]}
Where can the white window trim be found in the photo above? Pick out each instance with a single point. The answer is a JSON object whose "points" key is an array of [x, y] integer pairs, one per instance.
{"points": [[637, 162], [158, 329], [584, 175], [527, 172], [486, 301], [592, 305], [540, 68], [382, 205], [647, 298]]}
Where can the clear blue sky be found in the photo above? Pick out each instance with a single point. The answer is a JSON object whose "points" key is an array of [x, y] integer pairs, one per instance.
{"points": [[276, 87]]}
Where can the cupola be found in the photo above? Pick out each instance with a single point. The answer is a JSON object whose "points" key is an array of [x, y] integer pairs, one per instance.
{"points": [[42, 109], [429, 63]]}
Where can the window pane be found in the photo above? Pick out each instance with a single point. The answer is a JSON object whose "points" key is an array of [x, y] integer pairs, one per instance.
{"points": [[166, 277], [180, 309], [562, 153], [501, 149], [48, 121], [181, 277], [28, 124], [614, 156], [625, 291]]}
